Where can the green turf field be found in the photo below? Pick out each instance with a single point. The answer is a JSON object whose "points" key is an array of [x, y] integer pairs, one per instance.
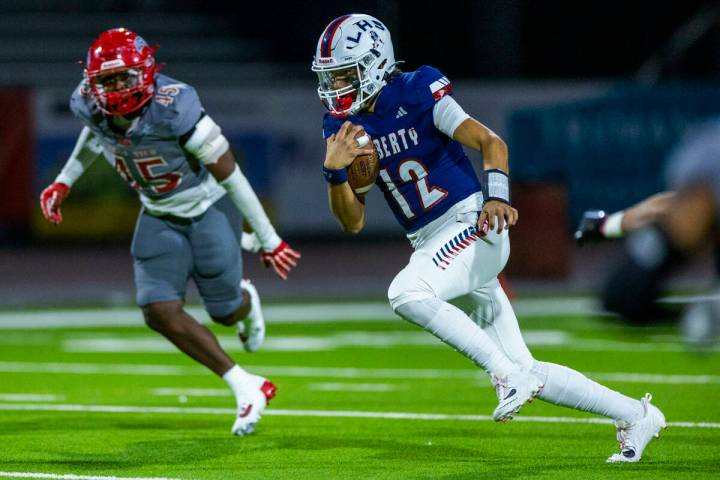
{"points": [[89, 394]]}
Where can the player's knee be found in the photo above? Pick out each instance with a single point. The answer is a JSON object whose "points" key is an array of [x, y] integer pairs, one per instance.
{"points": [[402, 292], [229, 311], [160, 316], [227, 320]]}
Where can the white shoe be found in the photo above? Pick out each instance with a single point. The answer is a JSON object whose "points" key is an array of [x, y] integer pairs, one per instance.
{"points": [[251, 330], [251, 404], [635, 436], [513, 392]]}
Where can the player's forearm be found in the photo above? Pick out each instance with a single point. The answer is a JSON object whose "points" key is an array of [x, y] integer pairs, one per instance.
{"points": [[649, 210], [495, 154], [231, 178], [87, 150], [347, 208], [477, 136], [245, 199]]}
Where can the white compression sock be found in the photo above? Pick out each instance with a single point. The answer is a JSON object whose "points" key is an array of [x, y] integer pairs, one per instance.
{"points": [[566, 387], [453, 327], [237, 379]]}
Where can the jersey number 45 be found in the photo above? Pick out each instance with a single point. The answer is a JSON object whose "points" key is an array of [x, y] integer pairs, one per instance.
{"points": [[142, 175]]}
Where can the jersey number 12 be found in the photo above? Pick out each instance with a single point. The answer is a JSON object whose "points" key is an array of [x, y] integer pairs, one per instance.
{"points": [[412, 170]]}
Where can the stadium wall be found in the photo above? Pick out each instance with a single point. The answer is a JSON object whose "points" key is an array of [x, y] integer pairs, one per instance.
{"points": [[599, 144]]}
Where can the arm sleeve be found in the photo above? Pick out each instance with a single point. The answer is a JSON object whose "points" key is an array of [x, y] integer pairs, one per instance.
{"points": [[87, 149], [244, 198], [448, 115], [206, 141]]}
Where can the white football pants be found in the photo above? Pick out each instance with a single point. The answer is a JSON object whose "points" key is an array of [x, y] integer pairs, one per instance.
{"points": [[453, 260]]}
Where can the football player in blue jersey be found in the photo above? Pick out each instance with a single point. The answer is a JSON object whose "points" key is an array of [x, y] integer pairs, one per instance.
{"points": [[153, 130], [458, 228]]}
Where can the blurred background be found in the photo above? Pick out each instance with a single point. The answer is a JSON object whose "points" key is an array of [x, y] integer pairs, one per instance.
{"points": [[591, 97]]}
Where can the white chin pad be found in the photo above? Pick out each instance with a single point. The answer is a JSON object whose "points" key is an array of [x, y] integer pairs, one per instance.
{"points": [[362, 141]]}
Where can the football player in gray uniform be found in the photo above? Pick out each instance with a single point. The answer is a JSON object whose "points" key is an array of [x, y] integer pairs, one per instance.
{"points": [[153, 130]]}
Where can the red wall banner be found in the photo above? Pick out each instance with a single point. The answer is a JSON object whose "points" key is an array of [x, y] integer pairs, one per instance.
{"points": [[16, 163]]}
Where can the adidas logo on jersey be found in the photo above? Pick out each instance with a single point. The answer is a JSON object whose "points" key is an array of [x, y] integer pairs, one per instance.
{"points": [[400, 113]]}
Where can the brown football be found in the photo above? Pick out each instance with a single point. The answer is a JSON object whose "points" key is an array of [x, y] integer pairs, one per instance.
{"points": [[363, 171]]}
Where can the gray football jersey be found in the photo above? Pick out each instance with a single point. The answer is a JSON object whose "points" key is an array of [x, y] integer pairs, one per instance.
{"points": [[149, 156], [697, 161]]}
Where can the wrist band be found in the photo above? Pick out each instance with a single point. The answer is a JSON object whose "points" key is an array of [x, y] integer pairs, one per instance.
{"points": [[335, 177], [497, 185]]}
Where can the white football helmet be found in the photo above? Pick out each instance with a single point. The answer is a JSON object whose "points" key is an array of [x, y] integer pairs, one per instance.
{"points": [[353, 60]]}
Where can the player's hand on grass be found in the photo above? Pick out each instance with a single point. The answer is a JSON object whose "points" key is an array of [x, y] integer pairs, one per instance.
{"points": [[342, 147], [497, 214], [282, 259], [50, 200]]}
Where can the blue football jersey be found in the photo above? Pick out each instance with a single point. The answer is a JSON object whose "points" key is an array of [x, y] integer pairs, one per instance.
{"points": [[423, 172]]}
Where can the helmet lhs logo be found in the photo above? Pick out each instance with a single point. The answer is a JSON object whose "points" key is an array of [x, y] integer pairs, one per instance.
{"points": [[377, 41]]}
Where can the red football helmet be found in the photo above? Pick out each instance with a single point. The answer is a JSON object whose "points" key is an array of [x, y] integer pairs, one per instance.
{"points": [[120, 71]]}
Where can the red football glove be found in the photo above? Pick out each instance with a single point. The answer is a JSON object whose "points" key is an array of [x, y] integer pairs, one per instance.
{"points": [[282, 259], [50, 200]]}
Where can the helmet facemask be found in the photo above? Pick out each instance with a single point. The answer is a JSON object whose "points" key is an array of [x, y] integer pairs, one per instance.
{"points": [[347, 89], [120, 92]]}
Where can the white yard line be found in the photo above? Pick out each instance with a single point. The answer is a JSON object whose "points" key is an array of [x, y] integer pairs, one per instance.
{"points": [[537, 339], [192, 392], [290, 313], [323, 387], [30, 397], [275, 314], [152, 343], [315, 413], [655, 378], [100, 369], [355, 387], [327, 372], [74, 477]]}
